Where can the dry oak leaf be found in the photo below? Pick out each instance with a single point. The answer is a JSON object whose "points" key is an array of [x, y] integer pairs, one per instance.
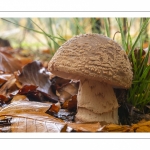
{"points": [[30, 116]]}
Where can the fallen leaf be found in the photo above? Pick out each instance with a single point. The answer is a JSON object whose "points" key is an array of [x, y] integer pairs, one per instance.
{"points": [[27, 89], [4, 78], [3, 100], [22, 105], [58, 82], [63, 96], [65, 104], [67, 91], [8, 63], [19, 98], [24, 60], [30, 116], [54, 108], [72, 104], [86, 127], [142, 125], [9, 87], [46, 51], [5, 122], [35, 74], [35, 95], [71, 88], [116, 128], [143, 129]]}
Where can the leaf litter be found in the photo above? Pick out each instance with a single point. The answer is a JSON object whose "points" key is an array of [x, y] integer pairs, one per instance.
{"points": [[34, 100]]}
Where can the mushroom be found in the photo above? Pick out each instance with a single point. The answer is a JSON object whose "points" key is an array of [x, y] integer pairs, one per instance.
{"points": [[101, 65]]}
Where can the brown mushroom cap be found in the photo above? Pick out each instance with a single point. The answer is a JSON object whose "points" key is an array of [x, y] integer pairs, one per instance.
{"points": [[95, 57]]}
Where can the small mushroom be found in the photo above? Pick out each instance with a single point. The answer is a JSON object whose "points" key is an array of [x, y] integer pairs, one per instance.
{"points": [[100, 64]]}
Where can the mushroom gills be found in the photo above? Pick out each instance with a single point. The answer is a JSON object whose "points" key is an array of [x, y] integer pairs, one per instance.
{"points": [[96, 102]]}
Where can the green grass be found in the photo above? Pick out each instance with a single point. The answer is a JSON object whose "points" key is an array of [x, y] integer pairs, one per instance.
{"points": [[139, 93], [107, 26]]}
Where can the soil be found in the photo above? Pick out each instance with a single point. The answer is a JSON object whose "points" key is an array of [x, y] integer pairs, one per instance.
{"points": [[128, 114]]}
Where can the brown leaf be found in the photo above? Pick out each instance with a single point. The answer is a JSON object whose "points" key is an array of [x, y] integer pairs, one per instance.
{"points": [[142, 126], [67, 91], [9, 87], [8, 63], [86, 127], [116, 128], [71, 88], [24, 60], [4, 78], [30, 116], [143, 129], [58, 82], [54, 108], [3, 100], [64, 129], [21, 105], [72, 104], [35, 74], [46, 51], [63, 96], [35, 95], [19, 98], [65, 104], [27, 89], [34, 123], [5, 123]]}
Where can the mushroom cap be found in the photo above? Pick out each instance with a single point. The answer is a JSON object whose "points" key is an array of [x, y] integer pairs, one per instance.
{"points": [[95, 57]]}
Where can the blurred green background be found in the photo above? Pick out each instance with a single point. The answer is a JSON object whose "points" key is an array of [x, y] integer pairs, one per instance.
{"points": [[63, 28]]}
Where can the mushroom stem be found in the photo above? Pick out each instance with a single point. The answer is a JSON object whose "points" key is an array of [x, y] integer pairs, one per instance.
{"points": [[96, 102]]}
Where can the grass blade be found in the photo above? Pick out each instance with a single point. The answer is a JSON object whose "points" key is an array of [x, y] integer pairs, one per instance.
{"points": [[139, 35], [106, 24], [79, 26], [119, 21]]}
